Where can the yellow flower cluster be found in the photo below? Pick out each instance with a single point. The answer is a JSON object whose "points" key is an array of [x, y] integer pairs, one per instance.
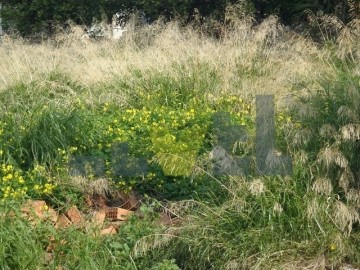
{"points": [[158, 130], [151, 130], [16, 184], [12, 183]]}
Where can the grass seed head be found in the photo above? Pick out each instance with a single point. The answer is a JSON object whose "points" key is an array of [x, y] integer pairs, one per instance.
{"points": [[345, 216], [322, 186], [256, 187]]}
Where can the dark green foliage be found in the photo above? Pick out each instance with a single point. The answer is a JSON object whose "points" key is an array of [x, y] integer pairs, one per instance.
{"points": [[39, 16]]}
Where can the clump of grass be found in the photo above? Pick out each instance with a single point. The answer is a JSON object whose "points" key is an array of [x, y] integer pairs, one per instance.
{"points": [[331, 118], [39, 118], [268, 223]]}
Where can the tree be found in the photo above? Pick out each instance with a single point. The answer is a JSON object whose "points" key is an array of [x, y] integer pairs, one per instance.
{"points": [[34, 16]]}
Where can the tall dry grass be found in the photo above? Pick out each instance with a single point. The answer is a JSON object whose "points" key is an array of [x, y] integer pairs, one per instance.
{"points": [[247, 59]]}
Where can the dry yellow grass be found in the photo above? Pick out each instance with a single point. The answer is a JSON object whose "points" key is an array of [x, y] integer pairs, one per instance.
{"points": [[248, 59]]}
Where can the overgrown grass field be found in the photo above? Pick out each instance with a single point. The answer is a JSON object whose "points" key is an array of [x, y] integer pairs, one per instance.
{"points": [[156, 92]]}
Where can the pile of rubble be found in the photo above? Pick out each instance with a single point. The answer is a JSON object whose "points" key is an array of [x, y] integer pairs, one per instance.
{"points": [[100, 217], [106, 216], [107, 220]]}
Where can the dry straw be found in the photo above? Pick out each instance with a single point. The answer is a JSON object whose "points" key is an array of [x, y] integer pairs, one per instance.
{"points": [[351, 132], [100, 186], [331, 155], [322, 186], [265, 59], [345, 216], [313, 209], [256, 187], [353, 197]]}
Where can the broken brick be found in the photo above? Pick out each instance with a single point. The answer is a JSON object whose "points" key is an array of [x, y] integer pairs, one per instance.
{"points": [[110, 230], [118, 213], [62, 222], [75, 216]]}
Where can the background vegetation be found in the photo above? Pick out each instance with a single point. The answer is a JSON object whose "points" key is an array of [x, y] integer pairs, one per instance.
{"points": [[44, 16]]}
